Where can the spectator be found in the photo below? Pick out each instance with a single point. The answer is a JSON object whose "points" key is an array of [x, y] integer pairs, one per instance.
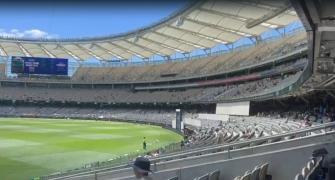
{"points": [[144, 144], [182, 144], [141, 168]]}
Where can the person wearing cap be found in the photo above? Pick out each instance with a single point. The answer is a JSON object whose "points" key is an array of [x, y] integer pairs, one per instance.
{"points": [[141, 168]]}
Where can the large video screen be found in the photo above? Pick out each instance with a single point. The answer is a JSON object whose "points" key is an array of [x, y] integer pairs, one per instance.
{"points": [[39, 66]]}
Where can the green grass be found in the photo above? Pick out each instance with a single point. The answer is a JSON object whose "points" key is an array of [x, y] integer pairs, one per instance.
{"points": [[35, 147]]}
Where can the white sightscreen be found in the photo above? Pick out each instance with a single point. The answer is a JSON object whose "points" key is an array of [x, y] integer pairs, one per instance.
{"points": [[193, 122], [235, 108], [217, 117]]}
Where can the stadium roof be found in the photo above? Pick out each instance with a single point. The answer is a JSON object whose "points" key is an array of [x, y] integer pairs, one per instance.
{"points": [[200, 25]]}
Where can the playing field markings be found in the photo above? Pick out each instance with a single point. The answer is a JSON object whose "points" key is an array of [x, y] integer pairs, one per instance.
{"points": [[43, 130], [65, 160], [99, 136], [11, 127], [110, 127], [19, 170], [27, 128], [155, 132], [8, 143], [68, 125], [28, 141]]}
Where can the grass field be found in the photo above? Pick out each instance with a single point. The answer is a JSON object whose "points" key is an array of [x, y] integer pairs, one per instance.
{"points": [[34, 147]]}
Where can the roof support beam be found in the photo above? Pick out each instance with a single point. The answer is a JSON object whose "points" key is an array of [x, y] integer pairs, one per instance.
{"points": [[328, 82], [208, 51], [145, 48], [179, 40], [253, 40], [231, 16], [163, 45], [268, 16], [46, 51], [108, 51], [167, 58], [331, 94], [303, 99], [258, 4], [2, 51], [89, 52], [24, 50], [220, 28], [211, 38], [303, 12], [215, 12], [68, 52], [127, 50]]}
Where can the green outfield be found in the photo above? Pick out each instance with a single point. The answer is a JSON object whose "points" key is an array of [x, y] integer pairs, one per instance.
{"points": [[34, 147]]}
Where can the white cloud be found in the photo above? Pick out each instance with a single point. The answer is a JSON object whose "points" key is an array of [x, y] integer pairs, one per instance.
{"points": [[32, 33]]}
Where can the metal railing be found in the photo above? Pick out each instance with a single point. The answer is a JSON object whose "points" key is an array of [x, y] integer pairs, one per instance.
{"points": [[246, 143], [323, 129]]}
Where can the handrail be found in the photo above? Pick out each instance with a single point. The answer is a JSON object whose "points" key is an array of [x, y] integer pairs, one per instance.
{"points": [[210, 149], [247, 142], [158, 168]]}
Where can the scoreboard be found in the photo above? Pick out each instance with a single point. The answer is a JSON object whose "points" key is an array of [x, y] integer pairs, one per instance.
{"points": [[39, 66]]}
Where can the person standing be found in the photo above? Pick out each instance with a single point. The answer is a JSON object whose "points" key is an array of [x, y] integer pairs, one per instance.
{"points": [[144, 144]]}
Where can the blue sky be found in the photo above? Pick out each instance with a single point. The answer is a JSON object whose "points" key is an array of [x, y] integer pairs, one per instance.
{"points": [[74, 20]]}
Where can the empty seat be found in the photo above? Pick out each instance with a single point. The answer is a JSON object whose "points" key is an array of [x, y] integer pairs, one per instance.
{"points": [[310, 165], [298, 177], [237, 178], [246, 176], [263, 171], [214, 175], [204, 177], [304, 172], [174, 178], [255, 173]]}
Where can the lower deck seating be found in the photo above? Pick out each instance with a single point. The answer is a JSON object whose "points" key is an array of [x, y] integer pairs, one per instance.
{"points": [[214, 175], [240, 129], [258, 173]]}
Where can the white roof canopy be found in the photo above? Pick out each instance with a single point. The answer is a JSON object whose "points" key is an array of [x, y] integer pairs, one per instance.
{"points": [[203, 25]]}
